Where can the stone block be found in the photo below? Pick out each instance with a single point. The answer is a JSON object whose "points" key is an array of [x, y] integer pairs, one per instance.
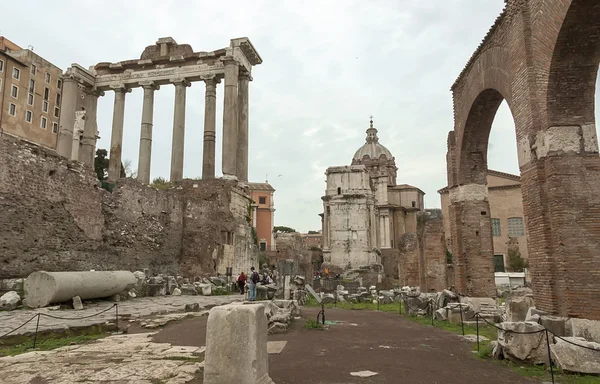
{"points": [[517, 308], [176, 292], [228, 327], [77, 304], [572, 358], [9, 301], [588, 329], [555, 324], [206, 289], [156, 289], [519, 344], [188, 289], [193, 307]]}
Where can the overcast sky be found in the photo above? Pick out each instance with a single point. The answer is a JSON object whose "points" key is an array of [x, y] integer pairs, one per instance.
{"points": [[327, 66]]}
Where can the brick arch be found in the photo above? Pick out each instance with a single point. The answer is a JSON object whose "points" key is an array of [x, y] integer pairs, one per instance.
{"points": [[574, 66], [542, 57]]}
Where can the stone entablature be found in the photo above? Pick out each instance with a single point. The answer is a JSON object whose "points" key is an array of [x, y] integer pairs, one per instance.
{"points": [[164, 63]]}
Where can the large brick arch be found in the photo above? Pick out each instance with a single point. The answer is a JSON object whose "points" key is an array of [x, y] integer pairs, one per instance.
{"points": [[541, 56]]}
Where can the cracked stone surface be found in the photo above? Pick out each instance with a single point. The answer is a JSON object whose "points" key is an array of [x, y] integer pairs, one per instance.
{"points": [[121, 358], [130, 309]]}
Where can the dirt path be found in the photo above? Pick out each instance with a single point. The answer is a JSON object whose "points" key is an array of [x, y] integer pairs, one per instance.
{"points": [[399, 350]]}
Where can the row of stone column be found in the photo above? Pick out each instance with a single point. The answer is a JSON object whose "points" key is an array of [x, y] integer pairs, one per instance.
{"points": [[235, 128]]}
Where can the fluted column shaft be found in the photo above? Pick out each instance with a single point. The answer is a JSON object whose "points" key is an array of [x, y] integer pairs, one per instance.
{"points": [[116, 138], [67, 117], [145, 156], [210, 123], [242, 137], [230, 118], [178, 130]]}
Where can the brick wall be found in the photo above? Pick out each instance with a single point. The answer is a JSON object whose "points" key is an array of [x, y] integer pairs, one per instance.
{"points": [[56, 218], [433, 251], [408, 266]]}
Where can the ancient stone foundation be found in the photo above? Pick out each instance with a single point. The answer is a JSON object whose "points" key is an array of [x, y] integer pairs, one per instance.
{"points": [[56, 217]]}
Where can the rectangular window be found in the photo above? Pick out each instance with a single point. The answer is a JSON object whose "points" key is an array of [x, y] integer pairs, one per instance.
{"points": [[12, 109], [33, 69], [28, 116], [59, 84], [43, 123], [56, 112], [14, 92], [47, 77], [263, 246], [498, 263], [515, 227], [30, 99], [54, 127], [16, 73], [1, 65], [32, 86], [46, 93], [496, 227], [58, 99], [45, 107], [262, 200]]}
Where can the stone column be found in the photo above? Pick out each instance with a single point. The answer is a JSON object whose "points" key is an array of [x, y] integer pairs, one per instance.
{"points": [[145, 156], [210, 131], [116, 138], [77, 132], [381, 231], [230, 118], [472, 243], [326, 226], [386, 228], [90, 128], [242, 138], [254, 212], [178, 129], [67, 116]]}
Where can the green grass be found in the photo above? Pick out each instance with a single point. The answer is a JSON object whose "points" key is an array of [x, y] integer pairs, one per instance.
{"points": [[50, 342], [312, 324], [369, 306]]}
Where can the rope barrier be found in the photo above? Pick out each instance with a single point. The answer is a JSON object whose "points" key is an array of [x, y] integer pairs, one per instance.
{"points": [[20, 326], [78, 318]]}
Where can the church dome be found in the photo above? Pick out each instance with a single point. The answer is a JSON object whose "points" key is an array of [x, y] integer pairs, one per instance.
{"points": [[372, 148]]}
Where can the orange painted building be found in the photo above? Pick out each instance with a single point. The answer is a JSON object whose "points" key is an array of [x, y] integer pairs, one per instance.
{"points": [[263, 214]]}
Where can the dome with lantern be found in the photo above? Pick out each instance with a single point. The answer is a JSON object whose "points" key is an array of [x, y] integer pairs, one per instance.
{"points": [[376, 157]]}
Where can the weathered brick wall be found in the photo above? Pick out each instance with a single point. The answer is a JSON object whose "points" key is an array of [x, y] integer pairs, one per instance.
{"points": [[434, 255], [390, 259], [408, 266], [55, 217]]}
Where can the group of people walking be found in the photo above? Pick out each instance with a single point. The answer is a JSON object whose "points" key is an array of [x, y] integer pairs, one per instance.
{"points": [[253, 279]]}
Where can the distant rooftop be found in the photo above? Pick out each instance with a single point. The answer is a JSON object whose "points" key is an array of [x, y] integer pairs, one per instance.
{"points": [[260, 187]]}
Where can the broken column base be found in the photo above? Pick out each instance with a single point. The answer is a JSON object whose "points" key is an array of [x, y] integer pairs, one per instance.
{"points": [[236, 345]]}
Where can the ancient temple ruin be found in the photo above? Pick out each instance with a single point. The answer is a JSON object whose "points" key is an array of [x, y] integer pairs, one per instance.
{"points": [[164, 63], [365, 212]]}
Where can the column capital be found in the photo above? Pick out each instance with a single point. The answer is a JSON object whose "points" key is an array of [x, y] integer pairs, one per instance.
{"points": [[180, 81], [148, 84], [211, 79], [120, 88], [93, 92], [245, 76]]}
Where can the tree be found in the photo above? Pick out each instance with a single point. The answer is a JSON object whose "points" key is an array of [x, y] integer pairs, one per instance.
{"points": [[313, 232], [282, 229], [101, 162], [127, 169], [515, 262]]}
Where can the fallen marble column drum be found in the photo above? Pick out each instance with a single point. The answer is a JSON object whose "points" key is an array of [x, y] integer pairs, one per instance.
{"points": [[43, 288]]}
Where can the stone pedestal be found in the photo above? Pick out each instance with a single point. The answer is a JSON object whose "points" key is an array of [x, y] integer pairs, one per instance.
{"points": [[236, 345], [43, 288]]}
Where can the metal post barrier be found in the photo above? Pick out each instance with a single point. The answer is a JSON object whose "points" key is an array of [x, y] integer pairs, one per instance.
{"points": [[400, 305], [477, 325], [549, 356], [377, 301], [462, 324], [431, 309], [335, 297], [117, 316], [36, 330]]}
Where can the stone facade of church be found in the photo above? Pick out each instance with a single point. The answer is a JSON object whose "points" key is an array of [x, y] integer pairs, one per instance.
{"points": [[365, 212]]}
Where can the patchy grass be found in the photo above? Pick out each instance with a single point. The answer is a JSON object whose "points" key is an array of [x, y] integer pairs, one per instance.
{"points": [[368, 306], [50, 342], [543, 373], [312, 324]]}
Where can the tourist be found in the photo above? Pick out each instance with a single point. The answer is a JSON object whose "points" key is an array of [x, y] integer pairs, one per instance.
{"points": [[241, 281], [254, 278]]}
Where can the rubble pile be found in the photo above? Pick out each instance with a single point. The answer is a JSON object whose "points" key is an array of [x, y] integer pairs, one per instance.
{"points": [[280, 314]]}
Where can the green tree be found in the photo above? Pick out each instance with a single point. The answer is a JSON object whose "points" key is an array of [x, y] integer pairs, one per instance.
{"points": [[282, 229], [516, 263], [101, 162], [313, 232]]}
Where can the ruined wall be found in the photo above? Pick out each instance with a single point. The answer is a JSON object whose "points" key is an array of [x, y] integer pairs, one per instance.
{"points": [[56, 218], [433, 251], [390, 259], [408, 265]]}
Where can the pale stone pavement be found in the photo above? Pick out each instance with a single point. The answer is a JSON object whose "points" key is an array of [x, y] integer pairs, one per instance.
{"points": [[117, 359], [129, 309]]}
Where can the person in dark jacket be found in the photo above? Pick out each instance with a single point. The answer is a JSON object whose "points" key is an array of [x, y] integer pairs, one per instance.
{"points": [[241, 282]]}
